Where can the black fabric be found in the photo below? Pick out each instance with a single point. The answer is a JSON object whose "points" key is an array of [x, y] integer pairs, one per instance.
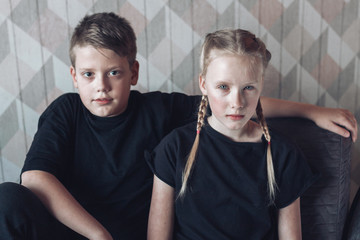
{"points": [[101, 160], [23, 216], [227, 195], [324, 206], [352, 226]]}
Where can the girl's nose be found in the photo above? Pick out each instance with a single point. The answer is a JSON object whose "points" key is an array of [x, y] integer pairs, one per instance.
{"points": [[237, 100]]}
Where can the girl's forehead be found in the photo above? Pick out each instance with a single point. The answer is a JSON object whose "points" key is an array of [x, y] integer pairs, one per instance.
{"points": [[228, 64]]}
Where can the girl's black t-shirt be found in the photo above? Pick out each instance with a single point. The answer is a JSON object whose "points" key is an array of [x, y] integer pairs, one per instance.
{"points": [[101, 161], [227, 195]]}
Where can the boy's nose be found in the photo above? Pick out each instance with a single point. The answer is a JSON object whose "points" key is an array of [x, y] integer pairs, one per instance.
{"points": [[102, 84]]}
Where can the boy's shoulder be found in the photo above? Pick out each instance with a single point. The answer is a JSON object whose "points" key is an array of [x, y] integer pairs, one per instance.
{"points": [[66, 97], [64, 103], [157, 95], [161, 101]]}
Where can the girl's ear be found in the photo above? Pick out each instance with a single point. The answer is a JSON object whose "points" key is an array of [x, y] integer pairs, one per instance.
{"points": [[202, 85], [73, 75]]}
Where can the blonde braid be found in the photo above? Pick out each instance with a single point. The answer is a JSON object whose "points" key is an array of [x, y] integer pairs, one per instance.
{"points": [[272, 186], [201, 113], [191, 159]]}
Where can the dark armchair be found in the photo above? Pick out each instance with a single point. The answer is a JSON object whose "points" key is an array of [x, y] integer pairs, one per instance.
{"points": [[324, 206]]}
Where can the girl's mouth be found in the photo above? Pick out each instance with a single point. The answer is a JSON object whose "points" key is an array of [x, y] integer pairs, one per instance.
{"points": [[235, 117]]}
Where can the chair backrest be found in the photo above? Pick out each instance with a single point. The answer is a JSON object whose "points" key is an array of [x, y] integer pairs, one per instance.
{"points": [[324, 206]]}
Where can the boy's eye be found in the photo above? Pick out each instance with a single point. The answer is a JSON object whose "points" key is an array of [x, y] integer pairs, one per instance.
{"points": [[113, 73], [249, 88], [87, 74]]}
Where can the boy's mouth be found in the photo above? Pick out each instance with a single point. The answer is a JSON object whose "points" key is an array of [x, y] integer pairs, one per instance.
{"points": [[103, 101]]}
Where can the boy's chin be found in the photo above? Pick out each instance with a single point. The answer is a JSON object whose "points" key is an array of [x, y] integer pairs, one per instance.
{"points": [[105, 114]]}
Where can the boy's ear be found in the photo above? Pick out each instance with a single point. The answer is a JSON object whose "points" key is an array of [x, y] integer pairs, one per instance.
{"points": [[202, 85], [135, 73], [73, 75]]}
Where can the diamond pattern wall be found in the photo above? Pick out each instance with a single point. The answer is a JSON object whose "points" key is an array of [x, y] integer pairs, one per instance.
{"points": [[315, 47]]}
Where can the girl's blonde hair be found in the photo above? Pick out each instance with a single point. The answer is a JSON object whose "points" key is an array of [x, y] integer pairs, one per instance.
{"points": [[243, 43]]}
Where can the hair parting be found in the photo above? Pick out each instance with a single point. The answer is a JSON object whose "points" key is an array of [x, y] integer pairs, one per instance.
{"points": [[191, 158]]}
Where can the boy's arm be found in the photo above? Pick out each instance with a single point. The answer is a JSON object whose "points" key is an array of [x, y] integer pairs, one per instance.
{"points": [[340, 121], [62, 204], [161, 216], [289, 222]]}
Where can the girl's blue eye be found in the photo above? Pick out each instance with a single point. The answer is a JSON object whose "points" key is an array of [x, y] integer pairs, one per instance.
{"points": [[223, 87]]}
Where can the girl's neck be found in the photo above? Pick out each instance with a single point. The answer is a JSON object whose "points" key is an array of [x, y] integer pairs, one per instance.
{"points": [[251, 132]]}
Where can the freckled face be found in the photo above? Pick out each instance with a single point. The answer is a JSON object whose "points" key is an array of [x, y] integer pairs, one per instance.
{"points": [[233, 85], [103, 79]]}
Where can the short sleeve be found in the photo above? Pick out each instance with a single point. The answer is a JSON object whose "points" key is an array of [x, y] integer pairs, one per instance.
{"points": [[294, 176], [52, 143], [162, 161]]}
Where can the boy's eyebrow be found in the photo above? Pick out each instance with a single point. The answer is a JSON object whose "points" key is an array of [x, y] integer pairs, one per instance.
{"points": [[118, 68], [84, 69], [111, 68]]}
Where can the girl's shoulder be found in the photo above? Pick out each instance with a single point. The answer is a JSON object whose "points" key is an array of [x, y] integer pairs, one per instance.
{"points": [[280, 140], [179, 139], [181, 134]]}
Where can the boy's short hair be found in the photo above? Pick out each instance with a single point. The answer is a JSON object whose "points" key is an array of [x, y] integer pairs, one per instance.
{"points": [[105, 30]]}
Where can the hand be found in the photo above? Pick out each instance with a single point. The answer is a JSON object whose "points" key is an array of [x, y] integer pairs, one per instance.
{"points": [[337, 120]]}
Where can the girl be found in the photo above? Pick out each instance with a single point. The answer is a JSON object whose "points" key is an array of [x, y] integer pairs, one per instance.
{"points": [[240, 180]]}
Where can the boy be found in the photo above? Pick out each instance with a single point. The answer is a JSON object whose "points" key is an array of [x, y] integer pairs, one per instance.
{"points": [[86, 163]]}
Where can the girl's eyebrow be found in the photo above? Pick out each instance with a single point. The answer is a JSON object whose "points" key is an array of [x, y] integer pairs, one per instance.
{"points": [[227, 81]]}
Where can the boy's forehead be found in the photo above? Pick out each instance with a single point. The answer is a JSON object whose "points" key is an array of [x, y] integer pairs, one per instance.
{"points": [[88, 54], [86, 48]]}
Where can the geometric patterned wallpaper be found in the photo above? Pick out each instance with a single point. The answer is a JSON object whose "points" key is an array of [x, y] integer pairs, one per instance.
{"points": [[315, 46]]}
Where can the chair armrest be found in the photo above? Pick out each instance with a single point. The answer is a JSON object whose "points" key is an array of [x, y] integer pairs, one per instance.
{"points": [[324, 206], [352, 227]]}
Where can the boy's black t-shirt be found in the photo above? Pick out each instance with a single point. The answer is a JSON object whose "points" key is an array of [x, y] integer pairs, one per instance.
{"points": [[101, 160], [227, 195]]}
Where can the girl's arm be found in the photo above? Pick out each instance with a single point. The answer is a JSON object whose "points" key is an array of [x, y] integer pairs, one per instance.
{"points": [[290, 222], [161, 217], [62, 205], [327, 118]]}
